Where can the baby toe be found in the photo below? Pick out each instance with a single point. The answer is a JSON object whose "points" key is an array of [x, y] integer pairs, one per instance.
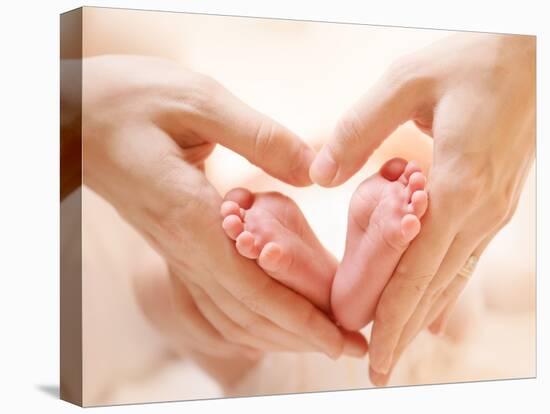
{"points": [[230, 208], [419, 203], [417, 181], [410, 227], [246, 245], [241, 196], [233, 226], [411, 168], [270, 257]]}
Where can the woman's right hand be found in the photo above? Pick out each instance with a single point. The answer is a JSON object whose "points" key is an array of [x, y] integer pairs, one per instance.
{"points": [[148, 125]]}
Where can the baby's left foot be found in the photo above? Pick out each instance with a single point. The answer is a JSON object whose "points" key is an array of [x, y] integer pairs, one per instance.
{"points": [[271, 229]]}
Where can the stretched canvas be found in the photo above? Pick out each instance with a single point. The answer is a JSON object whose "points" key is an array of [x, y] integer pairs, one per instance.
{"points": [[246, 204]]}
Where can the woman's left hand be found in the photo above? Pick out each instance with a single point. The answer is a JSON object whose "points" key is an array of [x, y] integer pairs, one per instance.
{"points": [[475, 95]]}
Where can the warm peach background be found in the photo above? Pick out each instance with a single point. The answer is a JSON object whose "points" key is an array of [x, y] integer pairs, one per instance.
{"points": [[304, 75]]}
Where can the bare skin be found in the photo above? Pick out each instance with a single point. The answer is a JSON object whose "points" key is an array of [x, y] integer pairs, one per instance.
{"points": [[271, 229], [384, 217], [474, 93], [146, 135]]}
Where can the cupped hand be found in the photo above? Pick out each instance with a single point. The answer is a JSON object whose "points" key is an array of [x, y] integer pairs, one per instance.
{"points": [[475, 95], [148, 125]]}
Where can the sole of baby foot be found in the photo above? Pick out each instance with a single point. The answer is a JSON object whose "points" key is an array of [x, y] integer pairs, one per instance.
{"points": [[384, 217], [271, 229]]}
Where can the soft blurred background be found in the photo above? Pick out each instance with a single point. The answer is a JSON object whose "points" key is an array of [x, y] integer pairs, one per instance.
{"points": [[305, 75]]}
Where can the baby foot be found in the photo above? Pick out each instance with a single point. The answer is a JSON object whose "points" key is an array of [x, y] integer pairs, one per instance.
{"points": [[271, 229], [383, 219]]}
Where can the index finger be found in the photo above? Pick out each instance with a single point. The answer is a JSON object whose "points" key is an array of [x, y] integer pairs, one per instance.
{"points": [[409, 283], [391, 102], [226, 119]]}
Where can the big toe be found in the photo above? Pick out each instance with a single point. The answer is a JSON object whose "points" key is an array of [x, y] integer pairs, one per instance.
{"points": [[393, 169]]}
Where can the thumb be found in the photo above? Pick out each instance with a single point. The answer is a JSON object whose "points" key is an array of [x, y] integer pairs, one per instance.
{"points": [[363, 128], [261, 140]]}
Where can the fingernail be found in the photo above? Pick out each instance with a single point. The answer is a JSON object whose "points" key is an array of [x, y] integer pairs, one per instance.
{"points": [[324, 168]]}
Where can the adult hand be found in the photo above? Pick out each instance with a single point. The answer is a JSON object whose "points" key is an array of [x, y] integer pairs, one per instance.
{"points": [[148, 125], [475, 95]]}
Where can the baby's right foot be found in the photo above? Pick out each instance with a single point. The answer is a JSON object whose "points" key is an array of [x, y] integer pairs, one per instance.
{"points": [[384, 217]]}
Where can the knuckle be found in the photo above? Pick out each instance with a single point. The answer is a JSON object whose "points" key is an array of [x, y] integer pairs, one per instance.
{"points": [[406, 72], [204, 82], [177, 216], [200, 93], [307, 315], [264, 140], [468, 189], [194, 202], [463, 188], [431, 294], [449, 194], [491, 213], [417, 282], [420, 283], [348, 129], [204, 85]]}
